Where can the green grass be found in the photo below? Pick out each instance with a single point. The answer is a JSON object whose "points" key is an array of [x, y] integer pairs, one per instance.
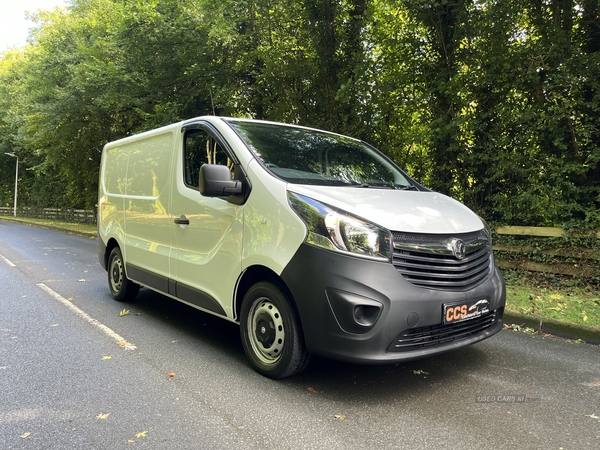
{"points": [[579, 305], [77, 228]]}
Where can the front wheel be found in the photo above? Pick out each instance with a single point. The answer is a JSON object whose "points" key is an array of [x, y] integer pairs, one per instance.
{"points": [[121, 287], [271, 332]]}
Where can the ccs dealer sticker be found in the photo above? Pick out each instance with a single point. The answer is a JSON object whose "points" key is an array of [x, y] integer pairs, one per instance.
{"points": [[458, 312]]}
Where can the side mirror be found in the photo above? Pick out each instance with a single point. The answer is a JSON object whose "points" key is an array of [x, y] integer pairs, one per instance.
{"points": [[215, 181]]}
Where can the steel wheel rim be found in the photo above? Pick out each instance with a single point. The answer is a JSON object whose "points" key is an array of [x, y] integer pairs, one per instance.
{"points": [[266, 331], [116, 274]]}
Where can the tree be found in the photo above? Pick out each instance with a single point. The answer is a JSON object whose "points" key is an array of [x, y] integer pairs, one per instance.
{"points": [[494, 103]]}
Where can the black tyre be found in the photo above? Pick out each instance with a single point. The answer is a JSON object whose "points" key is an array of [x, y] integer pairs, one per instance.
{"points": [[121, 287], [271, 331]]}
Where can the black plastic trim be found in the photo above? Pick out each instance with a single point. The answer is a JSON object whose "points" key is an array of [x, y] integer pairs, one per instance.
{"points": [[171, 287], [423, 337], [354, 313], [313, 272], [152, 280], [199, 298], [102, 252]]}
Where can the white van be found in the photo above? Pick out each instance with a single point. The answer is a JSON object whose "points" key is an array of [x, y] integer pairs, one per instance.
{"points": [[313, 242]]}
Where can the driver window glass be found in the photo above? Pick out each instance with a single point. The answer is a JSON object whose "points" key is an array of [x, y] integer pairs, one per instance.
{"points": [[201, 148]]}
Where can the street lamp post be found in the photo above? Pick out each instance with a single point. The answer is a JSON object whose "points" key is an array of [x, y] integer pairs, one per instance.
{"points": [[16, 181]]}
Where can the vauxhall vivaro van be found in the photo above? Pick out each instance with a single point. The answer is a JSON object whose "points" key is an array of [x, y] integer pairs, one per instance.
{"points": [[313, 242]]}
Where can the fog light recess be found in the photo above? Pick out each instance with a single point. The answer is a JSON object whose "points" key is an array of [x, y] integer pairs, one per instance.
{"points": [[359, 313], [354, 313]]}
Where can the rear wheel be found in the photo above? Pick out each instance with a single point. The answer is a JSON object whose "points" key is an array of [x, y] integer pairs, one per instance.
{"points": [[271, 331], [121, 287]]}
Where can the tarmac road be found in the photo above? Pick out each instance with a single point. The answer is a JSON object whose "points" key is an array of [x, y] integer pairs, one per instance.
{"points": [[65, 383]]}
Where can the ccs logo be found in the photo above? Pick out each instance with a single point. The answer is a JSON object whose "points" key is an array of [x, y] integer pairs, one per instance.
{"points": [[456, 313]]}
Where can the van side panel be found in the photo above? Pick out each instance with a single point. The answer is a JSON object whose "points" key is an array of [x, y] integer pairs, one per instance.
{"points": [[148, 234]]}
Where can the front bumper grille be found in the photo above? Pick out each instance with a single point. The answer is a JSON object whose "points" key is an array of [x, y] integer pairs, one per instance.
{"points": [[434, 335], [429, 261]]}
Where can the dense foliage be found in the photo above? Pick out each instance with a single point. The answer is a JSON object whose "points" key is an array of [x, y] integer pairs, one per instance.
{"points": [[495, 102]]}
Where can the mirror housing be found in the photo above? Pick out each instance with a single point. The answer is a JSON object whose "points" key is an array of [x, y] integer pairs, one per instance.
{"points": [[215, 181]]}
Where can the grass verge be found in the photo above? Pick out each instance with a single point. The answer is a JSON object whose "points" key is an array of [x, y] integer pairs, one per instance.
{"points": [[535, 296], [77, 228]]}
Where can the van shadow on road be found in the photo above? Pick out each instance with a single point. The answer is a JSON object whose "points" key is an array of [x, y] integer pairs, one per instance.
{"points": [[338, 380]]}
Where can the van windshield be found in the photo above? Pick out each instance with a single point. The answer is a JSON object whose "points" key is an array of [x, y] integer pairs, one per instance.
{"points": [[304, 156]]}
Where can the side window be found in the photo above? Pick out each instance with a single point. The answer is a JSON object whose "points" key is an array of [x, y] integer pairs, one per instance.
{"points": [[201, 148]]}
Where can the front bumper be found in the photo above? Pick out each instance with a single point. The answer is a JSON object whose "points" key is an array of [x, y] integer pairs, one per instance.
{"points": [[364, 311]]}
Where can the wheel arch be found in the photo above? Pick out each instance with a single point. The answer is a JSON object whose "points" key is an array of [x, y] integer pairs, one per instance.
{"points": [[112, 243], [270, 325], [250, 277]]}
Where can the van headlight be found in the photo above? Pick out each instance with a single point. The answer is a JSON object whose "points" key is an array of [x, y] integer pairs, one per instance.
{"points": [[333, 229]]}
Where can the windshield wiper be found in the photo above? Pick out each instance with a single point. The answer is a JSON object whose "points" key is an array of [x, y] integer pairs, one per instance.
{"points": [[385, 186], [373, 185]]}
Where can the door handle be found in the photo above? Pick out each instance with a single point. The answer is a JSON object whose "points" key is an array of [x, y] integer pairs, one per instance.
{"points": [[182, 220]]}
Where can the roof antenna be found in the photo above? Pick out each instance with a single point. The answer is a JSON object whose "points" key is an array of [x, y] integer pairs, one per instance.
{"points": [[211, 102]]}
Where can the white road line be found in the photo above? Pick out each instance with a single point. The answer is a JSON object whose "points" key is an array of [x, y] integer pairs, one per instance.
{"points": [[118, 338], [7, 261]]}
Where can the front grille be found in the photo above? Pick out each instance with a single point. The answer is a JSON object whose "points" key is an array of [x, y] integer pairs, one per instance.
{"points": [[423, 337], [427, 260]]}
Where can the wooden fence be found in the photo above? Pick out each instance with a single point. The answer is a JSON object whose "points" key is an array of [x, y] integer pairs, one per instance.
{"points": [[564, 260], [58, 214]]}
